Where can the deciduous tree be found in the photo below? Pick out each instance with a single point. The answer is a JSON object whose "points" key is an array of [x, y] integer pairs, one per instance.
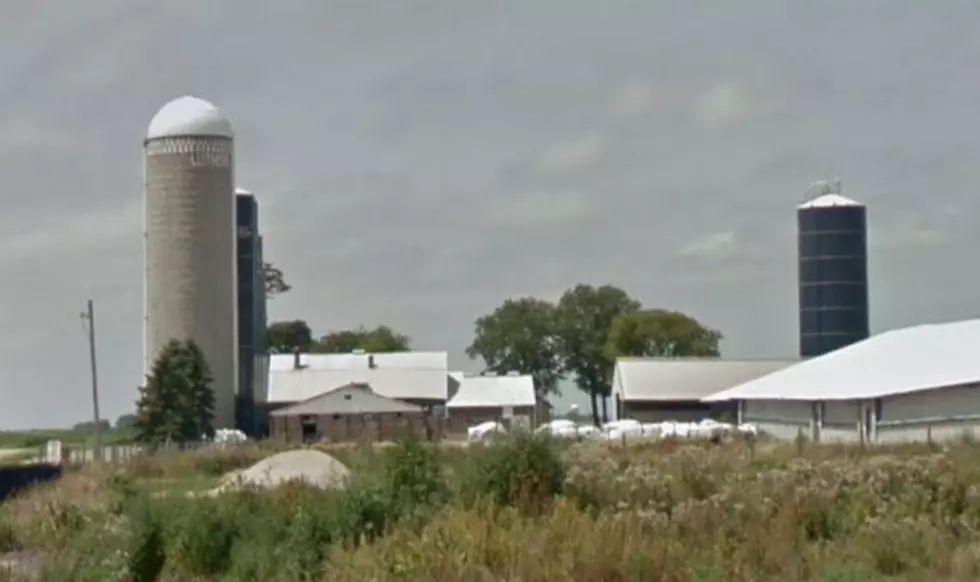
{"points": [[520, 335], [286, 336], [88, 426], [275, 282], [177, 402], [585, 315], [125, 422], [663, 333], [378, 340]]}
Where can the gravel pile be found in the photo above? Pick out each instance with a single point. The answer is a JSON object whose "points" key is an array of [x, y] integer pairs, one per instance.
{"points": [[312, 467]]}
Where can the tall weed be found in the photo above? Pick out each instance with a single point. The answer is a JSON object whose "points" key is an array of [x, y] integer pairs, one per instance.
{"points": [[526, 471]]}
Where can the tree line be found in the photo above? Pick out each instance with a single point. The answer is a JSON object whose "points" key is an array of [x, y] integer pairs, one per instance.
{"points": [[581, 335], [577, 337]]}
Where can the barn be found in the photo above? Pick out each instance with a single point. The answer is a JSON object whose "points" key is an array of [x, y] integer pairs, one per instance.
{"points": [[420, 378], [662, 389], [508, 399], [348, 413], [912, 384]]}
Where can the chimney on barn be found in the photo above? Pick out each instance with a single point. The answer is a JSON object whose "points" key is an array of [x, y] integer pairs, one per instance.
{"points": [[296, 362], [371, 363]]}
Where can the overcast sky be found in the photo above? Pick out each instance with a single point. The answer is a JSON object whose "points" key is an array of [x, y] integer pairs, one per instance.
{"points": [[419, 162]]}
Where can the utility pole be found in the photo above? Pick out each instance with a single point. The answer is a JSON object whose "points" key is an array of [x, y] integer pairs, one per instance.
{"points": [[89, 316]]}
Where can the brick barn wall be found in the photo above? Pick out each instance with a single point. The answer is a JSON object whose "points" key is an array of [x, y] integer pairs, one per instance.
{"points": [[352, 427]]}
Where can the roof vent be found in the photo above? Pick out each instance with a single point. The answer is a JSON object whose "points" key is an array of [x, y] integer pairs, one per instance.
{"points": [[513, 373], [357, 351]]}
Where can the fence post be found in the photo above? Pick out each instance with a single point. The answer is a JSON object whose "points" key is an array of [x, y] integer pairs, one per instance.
{"points": [[929, 434]]}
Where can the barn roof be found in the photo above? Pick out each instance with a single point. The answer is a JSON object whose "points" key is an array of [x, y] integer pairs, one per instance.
{"points": [[349, 399], [493, 392], [912, 359], [680, 379], [403, 375]]}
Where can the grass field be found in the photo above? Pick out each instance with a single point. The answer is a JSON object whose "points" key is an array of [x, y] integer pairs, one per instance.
{"points": [[35, 439], [524, 509]]}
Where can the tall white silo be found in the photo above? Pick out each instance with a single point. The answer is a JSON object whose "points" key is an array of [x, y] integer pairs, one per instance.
{"points": [[190, 276]]}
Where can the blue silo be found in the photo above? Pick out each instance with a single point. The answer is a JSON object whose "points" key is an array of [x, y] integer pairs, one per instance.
{"points": [[833, 271], [251, 310]]}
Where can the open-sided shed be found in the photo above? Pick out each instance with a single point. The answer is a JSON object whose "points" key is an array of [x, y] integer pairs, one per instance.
{"points": [[910, 384]]}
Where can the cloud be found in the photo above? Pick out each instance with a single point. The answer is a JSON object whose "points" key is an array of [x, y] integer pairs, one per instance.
{"points": [[725, 104], [562, 209], [912, 237], [416, 167], [573, 156], [19, 133], [712, 246], [633, 99], [68, 233]]}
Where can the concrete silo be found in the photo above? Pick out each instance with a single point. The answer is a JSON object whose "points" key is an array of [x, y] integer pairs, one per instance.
{"points": [[833, 254], [189, 241]]}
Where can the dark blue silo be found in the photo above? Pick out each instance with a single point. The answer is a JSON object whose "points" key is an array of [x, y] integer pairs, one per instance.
{"points": [[251, 308], [833, 273]]}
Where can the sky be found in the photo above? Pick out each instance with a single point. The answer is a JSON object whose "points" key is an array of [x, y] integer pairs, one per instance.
{"points": [[419, 162]]}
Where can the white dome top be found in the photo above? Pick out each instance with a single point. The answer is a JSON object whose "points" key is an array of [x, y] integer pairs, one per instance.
{"points": [[189, 116], [829, 201]]}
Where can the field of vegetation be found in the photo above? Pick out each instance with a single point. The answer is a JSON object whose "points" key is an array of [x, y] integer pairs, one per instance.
{"points": [[525, 509], [36, 439]]}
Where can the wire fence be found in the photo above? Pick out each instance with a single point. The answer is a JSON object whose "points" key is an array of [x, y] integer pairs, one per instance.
{"points": [[57, 452]]}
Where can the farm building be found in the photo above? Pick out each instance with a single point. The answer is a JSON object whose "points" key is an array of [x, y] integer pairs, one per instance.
{"points": [[418, 378], [421, 378], [910, 384], [483, 398], [662, 389], [347, 413]]}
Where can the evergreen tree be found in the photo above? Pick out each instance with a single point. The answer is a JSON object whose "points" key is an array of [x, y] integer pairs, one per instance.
{"points": [[177, 402]]}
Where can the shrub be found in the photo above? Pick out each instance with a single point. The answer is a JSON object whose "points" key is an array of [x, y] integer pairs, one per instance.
{"points": [[285, 535], [413, 475], [145, 555], [525, 470], [201, 533], [9, 541], [670, 511], [213, 462]]}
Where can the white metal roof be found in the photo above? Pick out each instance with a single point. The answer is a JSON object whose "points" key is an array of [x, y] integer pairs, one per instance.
{"points": [[404, 375], [911, 359], [416, 360], [674, 379], [350, 399], [493, 392], [189, 116], [829, 201], [299, 385], [244, 192]]}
